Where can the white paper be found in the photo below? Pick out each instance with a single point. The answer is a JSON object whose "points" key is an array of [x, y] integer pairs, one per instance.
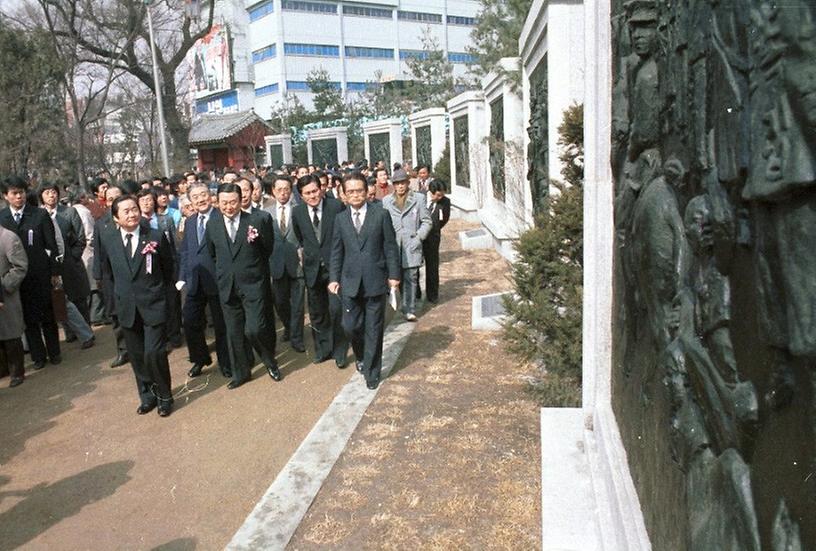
{"points": [[392, 298]]}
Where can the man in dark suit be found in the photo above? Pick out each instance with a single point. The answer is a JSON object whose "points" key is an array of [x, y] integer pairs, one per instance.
{"points": [[313, 222], [104, 280], [284, 265], [197, 274], [440, 214], [241, 244], [70, 234], [35, 229], [365, 262], [141, 266]]}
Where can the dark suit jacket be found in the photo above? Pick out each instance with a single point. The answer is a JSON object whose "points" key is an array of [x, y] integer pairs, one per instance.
{"points": [[441, 216], [366, 260], [316, 253], [285, 259], [241, 266], [41, 250], [196, 268], [133, 288], [74, 276]]}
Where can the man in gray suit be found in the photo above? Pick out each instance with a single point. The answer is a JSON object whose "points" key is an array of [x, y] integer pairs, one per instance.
{"points": [[13, 269], [285, 265], [412, 224], [364, 264]]}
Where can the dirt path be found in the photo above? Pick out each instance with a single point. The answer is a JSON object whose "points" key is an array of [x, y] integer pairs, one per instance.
{"points": [[80, 470], [447, 456]]}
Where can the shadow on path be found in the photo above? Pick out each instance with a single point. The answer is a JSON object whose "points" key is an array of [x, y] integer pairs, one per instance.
{"points": [[180, 544], [45, 505]]}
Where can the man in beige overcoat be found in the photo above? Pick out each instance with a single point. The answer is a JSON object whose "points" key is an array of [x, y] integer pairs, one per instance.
{"points": [[13, 268]]}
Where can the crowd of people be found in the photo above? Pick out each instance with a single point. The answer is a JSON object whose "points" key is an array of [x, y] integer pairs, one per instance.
{"points": [[160, 260]]}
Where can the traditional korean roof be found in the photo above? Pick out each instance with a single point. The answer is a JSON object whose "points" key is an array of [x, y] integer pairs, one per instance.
{"points": [[208, 129]]}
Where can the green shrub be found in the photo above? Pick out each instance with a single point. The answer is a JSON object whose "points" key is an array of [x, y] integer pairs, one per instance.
{"points": [[544, 317], [442, 169]]}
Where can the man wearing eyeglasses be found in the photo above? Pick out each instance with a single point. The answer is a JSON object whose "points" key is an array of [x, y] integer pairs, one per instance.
{"points": [[364, 263]]}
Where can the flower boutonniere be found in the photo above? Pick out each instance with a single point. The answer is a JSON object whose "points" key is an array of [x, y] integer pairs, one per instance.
{"points": [[252, 234], [149, 250]]}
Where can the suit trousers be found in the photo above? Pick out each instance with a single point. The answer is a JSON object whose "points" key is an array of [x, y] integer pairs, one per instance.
{"points": [[250, 324], [430, 250], [173, 316], [38, 314], [12, 358], [195, 325], [326, 319], [76, 324], [289, 301], [408, 289], [147, 348], [363, 322]]}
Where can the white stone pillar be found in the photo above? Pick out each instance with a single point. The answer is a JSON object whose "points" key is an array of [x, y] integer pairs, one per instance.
{"points": [[337, 133], [393, 127], [507, 218], [436, 119], [282, 140], [468, 109]]}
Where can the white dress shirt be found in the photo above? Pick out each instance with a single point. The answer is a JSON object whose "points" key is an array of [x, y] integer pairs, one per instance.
{"points": [[134, 242], [237, 219], [362, 212]]}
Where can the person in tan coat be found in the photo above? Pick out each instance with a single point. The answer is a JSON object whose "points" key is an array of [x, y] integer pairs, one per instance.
{"points": [[13, 268]]}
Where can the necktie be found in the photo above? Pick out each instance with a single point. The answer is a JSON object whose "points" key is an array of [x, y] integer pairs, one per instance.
{"points": [[17, 216], [232, 229], [129, 245], [201, 219], [283, 219], [357, 224], [315, 219]]}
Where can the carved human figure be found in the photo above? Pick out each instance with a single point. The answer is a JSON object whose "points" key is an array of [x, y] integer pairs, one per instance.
{"points": [[660, 256], [782, 191]]}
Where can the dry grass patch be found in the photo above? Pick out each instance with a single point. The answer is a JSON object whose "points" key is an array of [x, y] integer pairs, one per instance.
{"points": [[422, 444], [380, 430], [441, 379], [408, 499], [431, 422], [355, 474], [327, 530], [379, 450], [395, 532], [448, 540], [345, 498], [395, 400], [470, 442], [391, 413]]}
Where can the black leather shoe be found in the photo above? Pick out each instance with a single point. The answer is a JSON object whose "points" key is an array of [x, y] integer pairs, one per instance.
{"points": [[56, 360], [39, 365], [87, 344], [299, 348], [372, 385], [274, 372], [16, 381], [235, 384], [321, 359], [72, 338], [145, 408], [226, 373], [359, 367], [341, 364], [165, 409], [120, 359], [195, 371]]}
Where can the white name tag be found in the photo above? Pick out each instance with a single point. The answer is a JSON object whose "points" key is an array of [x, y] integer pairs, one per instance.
{"points": [[30, 238]]}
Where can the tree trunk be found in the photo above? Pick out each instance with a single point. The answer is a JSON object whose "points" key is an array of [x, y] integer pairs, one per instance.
{"points": [[177, 131]]}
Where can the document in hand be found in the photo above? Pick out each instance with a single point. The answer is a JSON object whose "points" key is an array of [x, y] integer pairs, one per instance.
{"points": [[392, 298]]}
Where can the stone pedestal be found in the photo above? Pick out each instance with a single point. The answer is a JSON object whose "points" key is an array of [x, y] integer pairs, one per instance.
{"points": [[278, 150], [468, 152], [427, 136], [327, 145], [383, 141]]}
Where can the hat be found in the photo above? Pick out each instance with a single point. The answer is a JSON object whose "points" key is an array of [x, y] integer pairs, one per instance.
{"points": [[641, 11], [399, 176]]}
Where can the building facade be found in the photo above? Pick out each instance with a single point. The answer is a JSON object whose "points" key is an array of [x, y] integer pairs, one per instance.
{"points": [[275, 44]]}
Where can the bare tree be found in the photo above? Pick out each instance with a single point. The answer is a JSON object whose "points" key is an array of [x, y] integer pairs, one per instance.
{"points": [[113, 33]]}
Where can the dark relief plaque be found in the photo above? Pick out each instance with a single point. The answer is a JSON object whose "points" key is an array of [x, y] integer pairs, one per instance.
{"points": [[379, 148], [461, 141], [423, 146], [538, 157], [496, 146], [324, 151], [276, 156], [714, 347]]}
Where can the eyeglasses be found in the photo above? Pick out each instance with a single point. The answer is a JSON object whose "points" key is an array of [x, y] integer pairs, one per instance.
{"points": [[357, 190]]}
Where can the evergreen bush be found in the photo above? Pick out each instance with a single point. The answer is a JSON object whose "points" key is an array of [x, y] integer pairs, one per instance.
{"points": [[544, 315]]}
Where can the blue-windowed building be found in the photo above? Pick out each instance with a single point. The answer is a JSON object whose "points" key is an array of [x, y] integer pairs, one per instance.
{"points": [[275, 44]]}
